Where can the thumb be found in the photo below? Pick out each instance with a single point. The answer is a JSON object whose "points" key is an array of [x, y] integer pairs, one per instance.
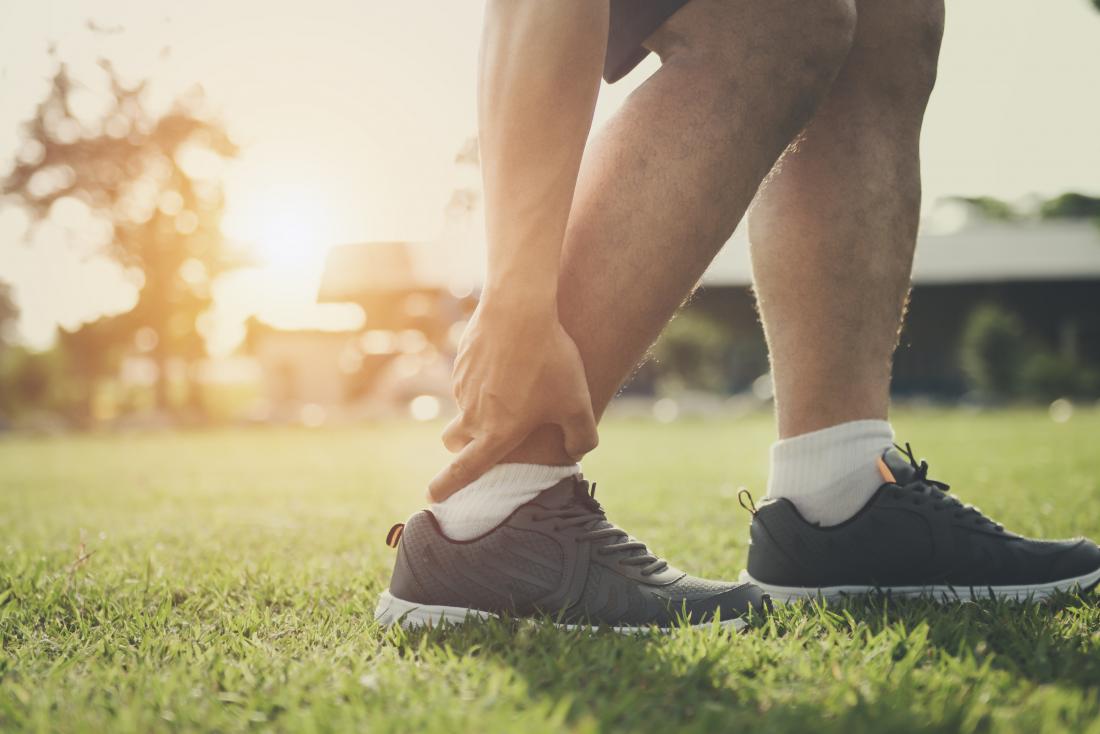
{"points": [[580, 434], [476, 458], [455, 435]]}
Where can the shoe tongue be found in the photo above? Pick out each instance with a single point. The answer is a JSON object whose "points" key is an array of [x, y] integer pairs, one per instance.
{"points": [[563, 493], [570, 491], [898, 466]]}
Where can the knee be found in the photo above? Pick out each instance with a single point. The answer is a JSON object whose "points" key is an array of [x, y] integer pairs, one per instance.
{"points": [[896, 50], [823, 34], [800, 44]]}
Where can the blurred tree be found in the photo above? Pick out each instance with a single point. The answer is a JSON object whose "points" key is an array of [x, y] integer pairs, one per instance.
{"points": [[8, 315], [30, 381], [9, 312], [1002, 360], [990, 207], [470, 154], [993, 349], [459, 214], [693, 353], [1047, 375], [152, 178], [90, 354], [1071, 205]]}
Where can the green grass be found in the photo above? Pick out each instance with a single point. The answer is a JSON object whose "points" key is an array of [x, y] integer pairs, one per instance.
{"points": [[229, 581]]}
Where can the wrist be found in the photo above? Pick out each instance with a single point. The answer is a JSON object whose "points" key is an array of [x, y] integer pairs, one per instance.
{"points": [[518, 301]]}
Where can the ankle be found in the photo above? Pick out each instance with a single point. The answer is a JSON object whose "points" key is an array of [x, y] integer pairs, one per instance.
{"points": [[829, 474], [483, 504], [795, 422], [545, 446]]}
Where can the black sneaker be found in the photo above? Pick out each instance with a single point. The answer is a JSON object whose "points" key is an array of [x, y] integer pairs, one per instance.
{"points": [[910, 539], [556, 556]]}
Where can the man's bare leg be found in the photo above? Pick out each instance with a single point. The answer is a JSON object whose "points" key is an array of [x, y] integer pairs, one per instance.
{"points": [[666, 182], [833, 229], [832, 240], [832, 234], [658, 194]]}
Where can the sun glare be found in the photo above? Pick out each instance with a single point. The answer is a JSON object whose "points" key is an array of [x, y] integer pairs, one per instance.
{"points": [[283, 228]]}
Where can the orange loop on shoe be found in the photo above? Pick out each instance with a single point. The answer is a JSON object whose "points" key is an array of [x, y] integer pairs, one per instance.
{"points": [[885, 473], [393, 537]]}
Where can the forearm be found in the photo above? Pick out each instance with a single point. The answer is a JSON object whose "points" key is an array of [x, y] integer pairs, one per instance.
{"points": [[539, 77]]}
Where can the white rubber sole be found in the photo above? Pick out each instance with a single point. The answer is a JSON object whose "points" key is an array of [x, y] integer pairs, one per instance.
{"points": [[392, 610], [1026, 592]]}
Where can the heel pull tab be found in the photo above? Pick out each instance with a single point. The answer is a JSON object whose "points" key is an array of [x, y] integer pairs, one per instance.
{"points": [[393, 537], [744, 498], [884, 472]]}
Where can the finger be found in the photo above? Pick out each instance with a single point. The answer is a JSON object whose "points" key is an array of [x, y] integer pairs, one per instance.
{"points": [[475, 459], [581, 435], [456, 435]]}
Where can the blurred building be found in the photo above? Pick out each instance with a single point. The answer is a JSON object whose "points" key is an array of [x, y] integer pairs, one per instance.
{"points": [[416, 302], [400, 286], [414, 306], [1046, 273], [300, 368]]}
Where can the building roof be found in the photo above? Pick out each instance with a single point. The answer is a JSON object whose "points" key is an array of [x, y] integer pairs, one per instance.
{"points": [[1034, 251], [978, 251], [364, 269], [351, 270]]}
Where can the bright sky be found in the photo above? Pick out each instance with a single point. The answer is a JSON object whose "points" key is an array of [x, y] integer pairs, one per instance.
{"points": [[350, 113]]}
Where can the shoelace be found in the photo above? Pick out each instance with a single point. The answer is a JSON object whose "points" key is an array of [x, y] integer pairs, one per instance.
{"points": [[586, 511], [937, 492]]}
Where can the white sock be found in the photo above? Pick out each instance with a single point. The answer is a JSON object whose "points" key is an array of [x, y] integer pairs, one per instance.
{"points": [[481, 505], [830, 474]]}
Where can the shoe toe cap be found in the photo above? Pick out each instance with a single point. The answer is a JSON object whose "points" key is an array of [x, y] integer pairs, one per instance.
{"points": [[1080, 558], [734, 602]]}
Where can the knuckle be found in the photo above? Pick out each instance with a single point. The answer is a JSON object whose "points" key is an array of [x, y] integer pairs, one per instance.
{"points": [[496, 435], [460, 469], [584, 446], [502, 429]]}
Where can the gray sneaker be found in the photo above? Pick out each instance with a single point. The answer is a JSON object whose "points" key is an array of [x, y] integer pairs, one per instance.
{"points": [[556, 556]]}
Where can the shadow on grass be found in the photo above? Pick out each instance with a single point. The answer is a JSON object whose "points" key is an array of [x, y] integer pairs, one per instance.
{"points": [[1051, 642], [714, 680], [633, 683]]}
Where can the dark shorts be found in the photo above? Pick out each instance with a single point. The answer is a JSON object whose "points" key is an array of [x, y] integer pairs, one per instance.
{"points": [[633, 21]]}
